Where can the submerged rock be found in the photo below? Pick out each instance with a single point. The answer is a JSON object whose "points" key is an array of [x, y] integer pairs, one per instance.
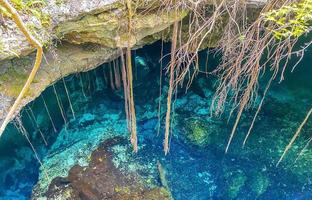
{"points": [[260, 183], [102, 180], [235, 181], [197, 133], [202, 133]]}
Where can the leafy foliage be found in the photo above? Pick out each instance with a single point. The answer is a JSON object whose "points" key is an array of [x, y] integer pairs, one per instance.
{"points": [[31, 7], [292, 20]]}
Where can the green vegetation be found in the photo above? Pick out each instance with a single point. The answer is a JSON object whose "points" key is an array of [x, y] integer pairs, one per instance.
{"points": [[31, 7], [293, 20], [236, 180], [197, 133], [242, 46], [260, 183]]}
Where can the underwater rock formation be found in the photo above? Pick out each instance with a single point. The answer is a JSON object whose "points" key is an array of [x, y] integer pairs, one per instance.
{"points": [[102, 180], [235, 181], [260, 183]]}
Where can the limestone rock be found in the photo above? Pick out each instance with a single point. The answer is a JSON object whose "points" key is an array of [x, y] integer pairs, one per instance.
{"points": [[102, 180]]}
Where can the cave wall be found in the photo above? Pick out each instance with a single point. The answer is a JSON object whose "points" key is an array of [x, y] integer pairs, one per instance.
{"points": [[77, 36]]}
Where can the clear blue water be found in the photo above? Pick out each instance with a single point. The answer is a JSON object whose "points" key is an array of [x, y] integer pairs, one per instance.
{"points": [[195, 168]]}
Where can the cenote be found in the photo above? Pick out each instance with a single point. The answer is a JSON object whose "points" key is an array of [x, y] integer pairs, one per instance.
{"points": [[196, 167]]}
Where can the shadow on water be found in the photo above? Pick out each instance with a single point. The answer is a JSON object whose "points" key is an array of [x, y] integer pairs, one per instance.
{"points": [[196, 166]]}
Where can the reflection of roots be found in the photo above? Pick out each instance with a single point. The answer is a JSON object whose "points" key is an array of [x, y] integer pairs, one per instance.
{"points": [[304, 148], [35, 43]]}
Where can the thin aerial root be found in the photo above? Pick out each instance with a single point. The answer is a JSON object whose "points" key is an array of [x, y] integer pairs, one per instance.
{"points": [[97, 85], [89, 84], [160, 85], [43, 138], [31, 119], [234, 129], [35, 43], [68, 97], [19, 126], [258, 110], [111, 78], [81, 84], [48, 112], [295, 136], [171, 85], [125, 86], [93, 81], [243, 104], [104, 75], [304, 148], [117, 75], [59, 104], [172, 116], [206, 63], [37, 126]]}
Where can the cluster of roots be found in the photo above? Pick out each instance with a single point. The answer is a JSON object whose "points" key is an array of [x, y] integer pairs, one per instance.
{"points": [[243, 45]]}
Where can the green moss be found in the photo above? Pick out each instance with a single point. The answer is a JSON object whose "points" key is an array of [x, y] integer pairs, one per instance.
{"points": [[197, 133], [236, 180], [59, 2], [34, 8], [122, 190], [1, 46], [14, 78], [110, 28], [260, 183], [4, 12], [157, 193]]}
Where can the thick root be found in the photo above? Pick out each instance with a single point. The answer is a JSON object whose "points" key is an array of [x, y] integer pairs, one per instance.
{"points": [[34, 42]]}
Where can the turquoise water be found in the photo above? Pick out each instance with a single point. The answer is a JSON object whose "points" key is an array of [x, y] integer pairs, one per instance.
{"points": [[196, 167]]}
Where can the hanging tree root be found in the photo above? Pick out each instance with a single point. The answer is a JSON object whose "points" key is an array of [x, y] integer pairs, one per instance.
{"points": [[125, 86], [160, 85], [33, 120], [303, 150], [131, 107], [171, 84], [68, 98], [48, 112], [241, 62], [295, 136], [258, 110], [35, 43], [19, 126], [59, 103]]}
